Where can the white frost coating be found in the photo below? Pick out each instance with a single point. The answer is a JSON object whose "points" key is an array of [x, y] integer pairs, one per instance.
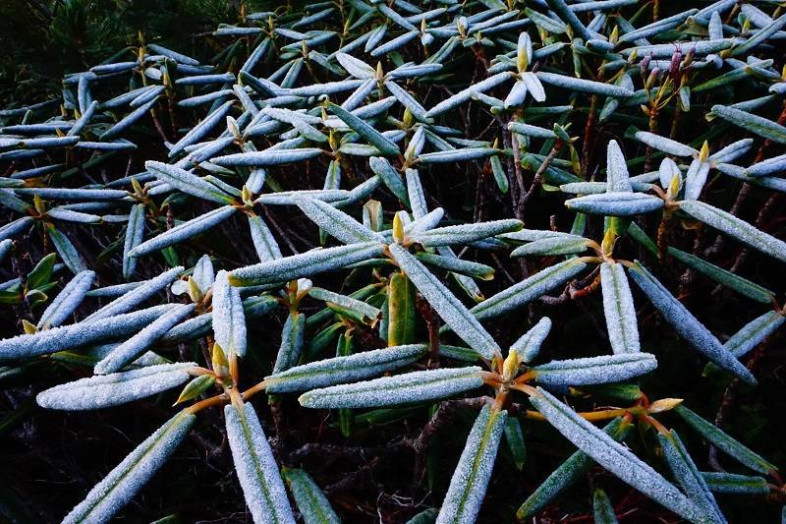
{"points": [[418, 386], [136, 345], [313, 504], [735, 484], [732, 151], [417, 197], [456, 155], [426, 222], [229, 320], [469, 482], [367, 310], [552, 246], [695, 178], [135, 232], [528, 289], [466, 233], [344, 369], [184, 231], [688, 476], [292, 337], [734, 227], [304, 264], [118, 388], [336, 223], [584, 86], [204, 275], [595, 370], [615, 204], [528, 345], [67, 300], [617, 177], [136, 296], [754, 332], [667, 171], [619, 310], [666, 145], [256, 467], [449, 308], [264, 242], [613, 456], [686, 325], [268, 157], [75, 335], [466, 94], [187, 182], [115, 491]]}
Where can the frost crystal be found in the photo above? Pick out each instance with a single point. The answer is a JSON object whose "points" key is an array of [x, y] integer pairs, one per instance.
{"points": [[136, 296], [619, 309], [595, 370], [229, 320], [67, 300]]}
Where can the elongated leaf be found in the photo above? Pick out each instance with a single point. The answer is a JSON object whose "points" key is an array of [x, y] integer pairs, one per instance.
{"points": [[187, 182], [666, 145], [71, 257], [724, 442], [418, 386], [367, 311], [135, 232], [602, 509], [121, 484], [754, 332], [313, 505], [466, 233], [118, 388], [686, 325], [229, 319], [292, 337], [67, 300], [402, 314], [374, 137], [446, 304], [455, 264], [336, 223], [305, 264], [554, 246], [619, 310], [734, 227], [528, 345], [584, 86], [256, 467], [470, 480], [750, 122], [138, 295], [614, 457], [183, 231], [615, 204], [595, 370], [735, 484], [390, 177], [268, 157]]}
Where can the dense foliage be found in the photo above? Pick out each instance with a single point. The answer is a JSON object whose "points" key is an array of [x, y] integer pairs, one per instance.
{"points": [[327, 206]]}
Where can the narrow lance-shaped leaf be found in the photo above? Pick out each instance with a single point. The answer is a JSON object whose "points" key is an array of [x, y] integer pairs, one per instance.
{"points": [[446, 304], [734, 227], [686, 325], [619, 310], [229, 319], [67, 300], [469, 482], [528, 345], [337, 223], [401, 310], [135, 232], [292, 337], [613, 457], [313, 505], [560, 245], [688, 476], [136, 345], [595, 370], [602, 509], [268, 157], [724, 442], [183, 231], [187, 182], [466, 233], [118, 388], [374, 137], [754, 332], [122, 483], [750, 122], [264, 242], [256, 467], [615, 204], [340, 370], [138, 295], [418, 386], [368, 311], [304, 264], [71, 257], [734, 484]]}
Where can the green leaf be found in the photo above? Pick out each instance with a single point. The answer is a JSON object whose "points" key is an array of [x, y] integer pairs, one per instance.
{"points": [[515, 439], [735, 484], [602, 509], [469, 482], [42, 272], [374, 137], [187, 182], [314, 507], [750, 122], [196, 387], [402, 313]]}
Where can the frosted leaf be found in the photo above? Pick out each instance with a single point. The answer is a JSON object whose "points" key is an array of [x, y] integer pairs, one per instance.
{"points": [[256, 467], [456, 155], [754, 332], [447, 306], [122, 483], [612, 456], [204, 274], [229, 320], [365, 130], [88, 195], [407, 100], [528, 289], [619, 309], [344, 369], [458, 266], [466, 233], [201, 130], [585, 86], [564, 13], [390, 177], [135, 232], [750, 122], [470, 479], [75, 335], [128, 120], [184, 231], [466, 94], [5, 248], [428, 221], [517, 95], [770, 166], [313, 505], [732, 151], [734, 484], [602, 508], [136, 345], [304, 264], [615, 204], [528, 345], [336, 223], [686, 325], [559, 245], [595, 370], [137, 295], [292, 336], [688, 477], [695, 179], [328, 88], [617, 177], [724, 442], [66, 302], [697, 48], [668, 170], [118, 388], [368, 311], [418, 386], [734, 227], [666, 145], [417, 197], [568, 473], [268, 157]]}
